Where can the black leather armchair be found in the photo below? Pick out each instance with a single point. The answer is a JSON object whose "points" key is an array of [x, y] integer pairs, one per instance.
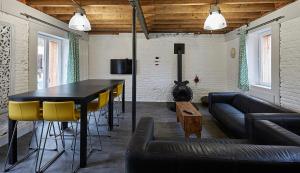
{"points": [[147, 155]]}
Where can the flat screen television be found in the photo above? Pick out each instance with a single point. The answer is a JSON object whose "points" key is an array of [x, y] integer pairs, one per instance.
{"points": [[121, 66]]}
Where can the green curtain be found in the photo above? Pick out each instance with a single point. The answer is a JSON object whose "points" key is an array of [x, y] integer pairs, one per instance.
{"points": [[243, 83], [73, 60]]}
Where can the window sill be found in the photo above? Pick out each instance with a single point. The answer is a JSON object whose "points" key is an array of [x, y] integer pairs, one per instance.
{"points": [[262, 87]]}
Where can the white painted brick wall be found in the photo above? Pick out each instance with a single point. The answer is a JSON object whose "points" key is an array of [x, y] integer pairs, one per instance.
{"points": [[19, 52], [205, 56], [290, 64]]}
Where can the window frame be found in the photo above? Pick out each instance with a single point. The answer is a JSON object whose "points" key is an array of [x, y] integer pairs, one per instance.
{"points": [[259, 74], [47, 38]]}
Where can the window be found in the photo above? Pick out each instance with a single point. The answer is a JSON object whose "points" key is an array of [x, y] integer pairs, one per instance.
{"points": [[49, 61], [265, 59]]}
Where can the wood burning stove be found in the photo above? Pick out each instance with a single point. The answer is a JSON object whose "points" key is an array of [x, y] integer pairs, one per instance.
{"points": [[180, 91]]}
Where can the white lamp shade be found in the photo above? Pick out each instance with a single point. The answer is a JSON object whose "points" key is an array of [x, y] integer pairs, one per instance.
{"points": [[215, 21], [80, 22]]}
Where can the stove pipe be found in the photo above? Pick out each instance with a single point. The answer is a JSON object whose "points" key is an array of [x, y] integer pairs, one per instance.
{"points": [[179, 49]]}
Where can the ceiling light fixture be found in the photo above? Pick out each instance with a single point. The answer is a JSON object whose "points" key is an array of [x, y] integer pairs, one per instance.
{"points": [[215, 20], [79, 21]]}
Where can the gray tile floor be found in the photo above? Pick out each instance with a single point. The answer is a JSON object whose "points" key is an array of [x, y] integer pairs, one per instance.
{"points": [[111, 158]]}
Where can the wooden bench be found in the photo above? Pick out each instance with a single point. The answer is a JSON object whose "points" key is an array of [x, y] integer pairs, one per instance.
{"points": [[191, 123]]}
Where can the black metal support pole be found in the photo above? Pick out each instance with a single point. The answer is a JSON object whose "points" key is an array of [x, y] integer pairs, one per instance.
{"points": [[140, 15], [133, 68]]}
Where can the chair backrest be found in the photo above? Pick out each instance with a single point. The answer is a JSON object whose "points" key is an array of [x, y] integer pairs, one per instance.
{"points": [[103, 99], [24, 111], [119, 89], [59, 111]]}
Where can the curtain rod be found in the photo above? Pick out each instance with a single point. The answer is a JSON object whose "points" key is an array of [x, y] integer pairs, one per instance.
{"points": [[262, 24], [47, 23]]}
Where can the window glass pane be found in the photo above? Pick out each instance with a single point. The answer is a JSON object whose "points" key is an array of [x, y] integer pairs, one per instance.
{"points": [[265, 60]]}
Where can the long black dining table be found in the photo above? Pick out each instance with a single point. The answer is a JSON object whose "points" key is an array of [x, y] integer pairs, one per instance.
{"points": [[81, 93]]}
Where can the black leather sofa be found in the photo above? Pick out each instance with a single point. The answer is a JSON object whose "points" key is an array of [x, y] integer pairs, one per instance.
{"points": [[230, 108], [282, 154]]}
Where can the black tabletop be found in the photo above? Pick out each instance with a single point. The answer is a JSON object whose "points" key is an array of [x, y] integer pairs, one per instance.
{"points": [[78, 91]]}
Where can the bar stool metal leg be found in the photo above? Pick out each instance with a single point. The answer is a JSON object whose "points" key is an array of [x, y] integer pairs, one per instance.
{"points": [[74, 148], [98, 133], [6, 167], [40, 159]]}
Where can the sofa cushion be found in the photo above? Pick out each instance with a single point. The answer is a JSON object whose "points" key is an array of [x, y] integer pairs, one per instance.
{"points": [[248, 104], [231, 118]]}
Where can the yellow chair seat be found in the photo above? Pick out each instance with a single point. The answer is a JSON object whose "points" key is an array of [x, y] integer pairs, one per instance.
{"points": [[93, 106]]}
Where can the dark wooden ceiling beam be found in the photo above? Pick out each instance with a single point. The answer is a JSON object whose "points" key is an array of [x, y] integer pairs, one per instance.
{"points": [[140, 15]]}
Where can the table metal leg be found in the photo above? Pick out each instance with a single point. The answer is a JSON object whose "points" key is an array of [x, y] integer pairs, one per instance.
{"points": [[123, 98], [13, 153], [111, 111], [83, 135]]}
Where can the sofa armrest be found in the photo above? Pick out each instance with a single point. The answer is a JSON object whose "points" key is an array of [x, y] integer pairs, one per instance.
{"points": [[220, 97], [289, 121], [143, 134], [268, 133]]}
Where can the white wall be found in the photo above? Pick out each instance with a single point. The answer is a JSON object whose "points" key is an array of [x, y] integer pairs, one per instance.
{"points": [[290, 64], [205, 57], [281, 30], [232, 63]]}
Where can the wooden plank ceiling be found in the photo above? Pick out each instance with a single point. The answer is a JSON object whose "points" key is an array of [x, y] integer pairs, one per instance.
{"points": [[186, 16]]}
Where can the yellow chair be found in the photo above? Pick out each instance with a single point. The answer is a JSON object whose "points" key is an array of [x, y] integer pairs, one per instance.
{"points": [[99, 105], [23, 111], [57, 112], [117, 93]]}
